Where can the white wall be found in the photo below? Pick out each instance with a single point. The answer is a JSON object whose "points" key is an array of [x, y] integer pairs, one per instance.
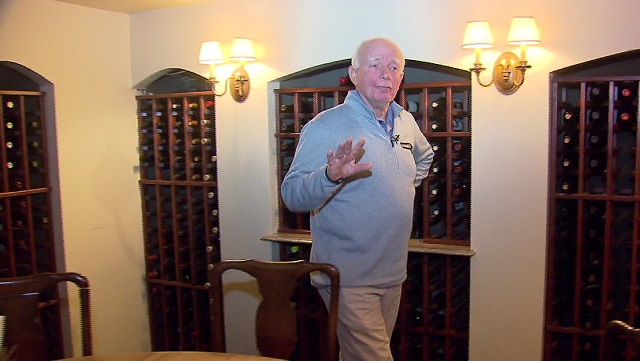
{"points": [[510, 132], [85, 54], [89, 67]]}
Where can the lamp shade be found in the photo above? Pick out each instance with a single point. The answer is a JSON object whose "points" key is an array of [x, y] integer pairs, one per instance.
{"points": [[210, 53], [523, 30], [477, 34], [242, 49]]}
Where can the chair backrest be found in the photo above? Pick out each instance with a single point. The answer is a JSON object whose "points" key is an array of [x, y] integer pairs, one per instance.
{"points": [[21, 300], [618, 335], [276, 319]]}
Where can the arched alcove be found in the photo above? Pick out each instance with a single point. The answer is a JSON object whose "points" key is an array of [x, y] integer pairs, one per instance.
{"points": [[173, 80], [438, 274], [593, 206], [30, 213], [328, 74]]}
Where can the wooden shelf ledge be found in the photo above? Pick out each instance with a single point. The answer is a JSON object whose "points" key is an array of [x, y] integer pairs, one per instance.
{"points": [[414, 245]]}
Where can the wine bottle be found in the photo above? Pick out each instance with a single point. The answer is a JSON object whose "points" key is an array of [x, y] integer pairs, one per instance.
{"points": [[436, 147], [460, 145], [178, 127], [627, 93], [287, 128], [286, 108], [160, 109], [592, 273], [176, 110], [439, 167], [436, 211], [568, 184], [590, 321], [598, 93], [626, 118], [460, 188], [571, 116], [13, 164], [285, 162], [597, 162], [438, 123], [287, 145], [459, 124], [439, 106], [569, 140], [306, 105], [437, 320], [569, 161], [595, 232], [597, 139], [597, 117], [437, 188], [460, 166], [595, 210]]}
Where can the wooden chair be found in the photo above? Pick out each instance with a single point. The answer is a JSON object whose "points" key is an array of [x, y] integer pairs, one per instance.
{"points": [[615, 331], [20, 298], [276, 320]]}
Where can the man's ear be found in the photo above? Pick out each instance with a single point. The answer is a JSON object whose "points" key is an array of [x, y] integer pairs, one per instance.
{"points": [[353, 72]]}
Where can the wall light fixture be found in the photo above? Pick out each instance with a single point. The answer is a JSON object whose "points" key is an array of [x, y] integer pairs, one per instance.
{"points": [[238, 83], [509, 69]]}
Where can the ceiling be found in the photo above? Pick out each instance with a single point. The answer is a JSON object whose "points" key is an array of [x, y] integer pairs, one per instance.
{"points": [[133, 6]]}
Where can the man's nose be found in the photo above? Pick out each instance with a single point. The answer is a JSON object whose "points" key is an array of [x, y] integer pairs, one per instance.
{"points": [[385, 73]]}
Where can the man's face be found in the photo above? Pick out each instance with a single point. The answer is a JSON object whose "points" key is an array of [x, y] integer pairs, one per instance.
{"points": [[379, 73]]}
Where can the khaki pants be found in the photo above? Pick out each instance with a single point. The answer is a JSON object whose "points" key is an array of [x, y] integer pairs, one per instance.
{"points": [[366, 318]]}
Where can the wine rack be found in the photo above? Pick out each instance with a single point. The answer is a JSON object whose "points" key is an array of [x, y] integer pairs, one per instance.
{"points": [[594, 206], [27, 243], [178, 184], [434, 313], [433, 320], [442, 203]]}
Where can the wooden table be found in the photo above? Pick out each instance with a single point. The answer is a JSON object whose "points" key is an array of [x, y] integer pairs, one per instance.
{"points": [[172, 356]]}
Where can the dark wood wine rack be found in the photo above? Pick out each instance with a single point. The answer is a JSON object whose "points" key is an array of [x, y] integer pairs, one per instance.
{"points": [[178, 184], [442, 203], [433, 320], [27, 243], [434, 313], [594, 206]]}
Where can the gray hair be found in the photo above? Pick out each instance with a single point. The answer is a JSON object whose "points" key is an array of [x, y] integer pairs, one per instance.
{"points": [[355, 59]]}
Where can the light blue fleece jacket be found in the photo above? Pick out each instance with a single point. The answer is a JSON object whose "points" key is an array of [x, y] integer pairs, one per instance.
{"points": [[363, 225]]}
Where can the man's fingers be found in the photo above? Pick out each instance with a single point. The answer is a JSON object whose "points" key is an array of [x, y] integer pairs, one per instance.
{"points": [[340, 152], [348, 145], [360, 167]]}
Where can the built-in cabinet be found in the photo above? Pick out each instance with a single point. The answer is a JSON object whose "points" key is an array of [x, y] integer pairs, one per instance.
{"points": [[27, 244], [179, 192], [434, 315], [593, 264]]}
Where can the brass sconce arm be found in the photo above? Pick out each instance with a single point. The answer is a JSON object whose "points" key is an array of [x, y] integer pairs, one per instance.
{"points": [[238, 83], [507, 77], [477, 69]]}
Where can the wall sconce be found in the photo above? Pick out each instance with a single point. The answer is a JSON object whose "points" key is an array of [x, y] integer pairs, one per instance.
{"points": [[509, 69], [242, 51]]}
